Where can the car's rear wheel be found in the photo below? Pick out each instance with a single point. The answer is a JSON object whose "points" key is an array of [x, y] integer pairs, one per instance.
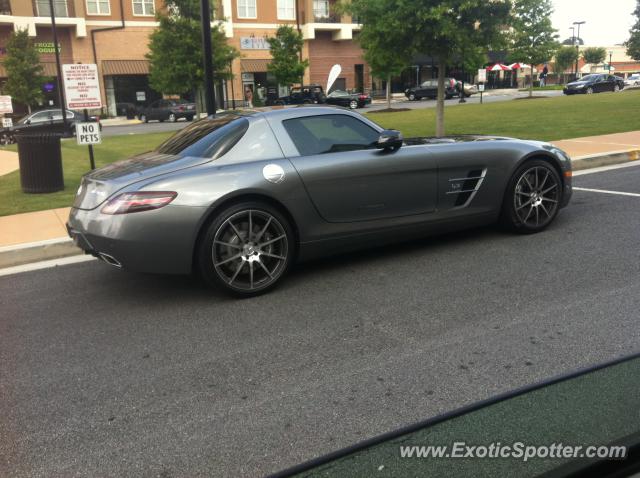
{"points": [[589, 91], [412, 97], [144, 118], [172, 117], [353, 104], [533, 197], [247, 249], [616, 88]]}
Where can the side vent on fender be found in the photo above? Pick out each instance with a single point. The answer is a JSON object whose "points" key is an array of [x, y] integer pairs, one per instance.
{"points": [[467, 187]]}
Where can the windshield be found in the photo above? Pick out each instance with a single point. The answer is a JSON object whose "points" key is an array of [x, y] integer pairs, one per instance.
{"points": [[205, 137], [589, 78]]}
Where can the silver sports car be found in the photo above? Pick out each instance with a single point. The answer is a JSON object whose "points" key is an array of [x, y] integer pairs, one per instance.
{"points": [[241, 196]]}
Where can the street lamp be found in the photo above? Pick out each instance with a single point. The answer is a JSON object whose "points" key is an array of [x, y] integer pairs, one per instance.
{"points": [[578, 45], [610, 58], [209, 92], [61, 99]]}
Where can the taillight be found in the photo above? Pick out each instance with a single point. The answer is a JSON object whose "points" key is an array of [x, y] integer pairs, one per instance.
{"points": [[138, 201], [363, 97]]}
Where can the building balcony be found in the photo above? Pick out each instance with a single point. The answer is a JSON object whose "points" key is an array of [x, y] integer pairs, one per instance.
{"points": [[327, 18]]}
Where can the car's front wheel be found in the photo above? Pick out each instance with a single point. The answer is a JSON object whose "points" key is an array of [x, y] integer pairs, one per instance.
{"points": [[172, 117], [533, 197], [144, 118], [616, 88], [353, 104], [247, 249], [589, 91], [412, 97]]}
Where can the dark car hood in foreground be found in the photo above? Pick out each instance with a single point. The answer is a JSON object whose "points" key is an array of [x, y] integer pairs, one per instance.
{"points": [[577, 83], [98, 185]]}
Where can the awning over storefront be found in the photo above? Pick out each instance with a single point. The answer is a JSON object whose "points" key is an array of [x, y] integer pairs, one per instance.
{"points": [[125, 67], [48, 69], [254, 66]]}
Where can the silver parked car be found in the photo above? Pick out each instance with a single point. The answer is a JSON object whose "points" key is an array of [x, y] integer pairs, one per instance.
{"points": [[241, 196]]}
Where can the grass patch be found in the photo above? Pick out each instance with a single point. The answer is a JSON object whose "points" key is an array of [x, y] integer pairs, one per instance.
{"points": [[75, 163], [545, 119], [545, 88]]}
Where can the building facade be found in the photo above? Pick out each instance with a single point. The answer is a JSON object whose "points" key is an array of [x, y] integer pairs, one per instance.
{"points": [[114, 34]]}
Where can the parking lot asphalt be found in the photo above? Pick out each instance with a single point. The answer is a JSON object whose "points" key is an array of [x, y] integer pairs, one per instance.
{"points": [[105, 373]]}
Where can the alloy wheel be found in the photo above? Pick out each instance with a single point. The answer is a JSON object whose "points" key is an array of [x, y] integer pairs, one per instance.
{"points": [[589, 91], [172, 118], [353, 104], [250, 250], [536, 197]]}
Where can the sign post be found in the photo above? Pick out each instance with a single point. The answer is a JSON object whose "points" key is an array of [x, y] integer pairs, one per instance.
{"points": [[482, 79], [82, 90], [6, 107]]}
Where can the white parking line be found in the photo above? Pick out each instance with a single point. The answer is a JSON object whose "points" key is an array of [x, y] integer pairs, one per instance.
{"points": [[45, 264], [602, 169], [604, 191]]}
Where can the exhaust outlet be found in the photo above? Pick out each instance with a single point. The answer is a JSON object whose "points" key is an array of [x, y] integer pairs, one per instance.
{"points": [[112, 261]]}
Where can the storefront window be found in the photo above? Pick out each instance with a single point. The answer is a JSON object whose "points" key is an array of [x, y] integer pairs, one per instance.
{"points": [[98, 7], [286, 10], [246, 8], [144, 7], [59, 8]]}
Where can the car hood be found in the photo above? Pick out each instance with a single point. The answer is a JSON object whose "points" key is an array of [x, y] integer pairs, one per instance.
{"points": [[577, 83], [97, 186]]}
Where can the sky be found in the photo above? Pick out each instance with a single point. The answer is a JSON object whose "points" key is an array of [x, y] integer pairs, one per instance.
{"points": [[608, 21]]}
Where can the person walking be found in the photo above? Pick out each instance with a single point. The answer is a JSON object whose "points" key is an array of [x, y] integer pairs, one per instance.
{"points": [[543, 76], [248, 96]]}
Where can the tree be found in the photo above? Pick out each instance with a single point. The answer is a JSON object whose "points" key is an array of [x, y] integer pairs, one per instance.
{"points": [[594, 55], [566, 56], [381, 36], [441, 28], [24, 71], [633, 43], [175, 50], [533, 39], [286, 48]]}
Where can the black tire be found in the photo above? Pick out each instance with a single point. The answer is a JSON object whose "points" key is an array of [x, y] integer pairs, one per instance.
{"points": [[616, 88], [532, 199], [144, 118], [190, 117], [413, 97], [589, 91], [448, 97], [353, 104], [226, 258], [172, 117]]}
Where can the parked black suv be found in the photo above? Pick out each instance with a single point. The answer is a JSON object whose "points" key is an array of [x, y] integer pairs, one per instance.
{"points": [[168, 110], [429, 89], [303, 95]]}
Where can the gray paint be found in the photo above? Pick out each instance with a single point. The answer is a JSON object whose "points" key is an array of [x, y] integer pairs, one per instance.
{"points": [[338, 201]]}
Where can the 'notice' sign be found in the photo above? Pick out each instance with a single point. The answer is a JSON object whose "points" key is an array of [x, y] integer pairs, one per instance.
{"points": [[81, 86], [88, 133]]}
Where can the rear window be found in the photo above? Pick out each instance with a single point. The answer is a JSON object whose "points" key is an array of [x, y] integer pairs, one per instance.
{"points": [[208, 138]]}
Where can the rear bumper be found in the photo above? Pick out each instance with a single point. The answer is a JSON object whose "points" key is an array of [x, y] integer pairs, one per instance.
{"points": [[159, 241]]}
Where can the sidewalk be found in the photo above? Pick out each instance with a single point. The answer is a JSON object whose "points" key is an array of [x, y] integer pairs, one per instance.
{"points": [[8, 162], [37, 236]]}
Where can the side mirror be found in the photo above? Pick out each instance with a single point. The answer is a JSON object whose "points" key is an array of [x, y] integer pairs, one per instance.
{"points": [[390, 140]]}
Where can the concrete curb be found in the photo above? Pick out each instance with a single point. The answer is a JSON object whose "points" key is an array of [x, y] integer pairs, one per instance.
{"points": [[12, 256], [605, 159]]}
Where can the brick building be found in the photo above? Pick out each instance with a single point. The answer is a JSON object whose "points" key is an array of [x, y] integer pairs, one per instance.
{"points": [[114, 35]]}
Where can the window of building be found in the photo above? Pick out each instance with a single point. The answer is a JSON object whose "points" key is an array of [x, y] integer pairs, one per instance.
{"points": [[321, 8], [247, 9], [5, 7], [286, 10], [59, 8], [144, 7], [98, 7]]}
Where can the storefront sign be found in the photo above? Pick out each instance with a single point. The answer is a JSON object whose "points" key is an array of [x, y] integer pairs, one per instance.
{"points": [[247, 77], [88, 133], [46, 47], [141, 96], [254, 43], [6, 107], [82, 86]]}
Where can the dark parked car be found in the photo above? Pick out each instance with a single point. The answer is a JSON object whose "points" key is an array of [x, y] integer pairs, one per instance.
{"points": [[429, 89], [594, 84], [49, 121], [130, 110], [350, 100], [242, 196], [303, 95], [168, 110]]}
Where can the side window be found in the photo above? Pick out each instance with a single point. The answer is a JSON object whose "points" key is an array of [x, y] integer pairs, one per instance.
{"points": [[41, 117], [329, 134]]}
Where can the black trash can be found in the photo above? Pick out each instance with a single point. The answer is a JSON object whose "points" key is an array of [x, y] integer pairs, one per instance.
{"points": [[40, 158]]}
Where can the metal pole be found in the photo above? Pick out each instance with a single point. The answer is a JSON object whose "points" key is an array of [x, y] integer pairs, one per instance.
{"points": [[462, 100], [63, 105], [207, 52], [91, 158], [233, 95], [610, 58]]}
